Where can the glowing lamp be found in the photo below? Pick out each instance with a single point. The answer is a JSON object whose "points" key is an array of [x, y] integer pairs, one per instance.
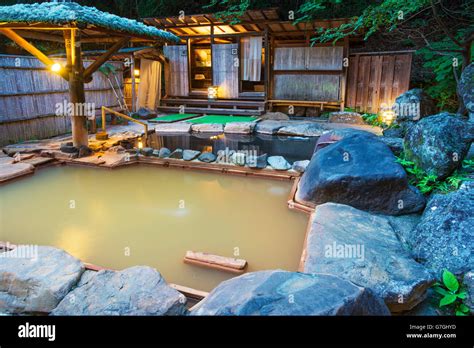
{"points": [[56, 67], [140, 145], [387, 116], [212, 92], [136, 72]]}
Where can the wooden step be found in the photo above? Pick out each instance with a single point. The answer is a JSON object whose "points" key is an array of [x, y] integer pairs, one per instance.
{"points": [[211, 111], [229, 103]]}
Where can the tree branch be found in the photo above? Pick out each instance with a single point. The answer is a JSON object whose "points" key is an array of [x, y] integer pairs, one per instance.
{"points": [[441, 24]]}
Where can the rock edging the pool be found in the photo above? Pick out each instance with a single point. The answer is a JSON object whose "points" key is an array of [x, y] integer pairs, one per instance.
{"points": [[56, 283]]}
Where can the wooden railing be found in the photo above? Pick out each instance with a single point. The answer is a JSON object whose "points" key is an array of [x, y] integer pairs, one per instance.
{"points": [[116, 113]]}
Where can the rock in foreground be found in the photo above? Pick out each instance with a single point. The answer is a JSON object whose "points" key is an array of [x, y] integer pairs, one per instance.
{"points": [[289, 293], [139, 290], [36, 285], [364, 249], [444, 238], [360, 171], [438, 144]]}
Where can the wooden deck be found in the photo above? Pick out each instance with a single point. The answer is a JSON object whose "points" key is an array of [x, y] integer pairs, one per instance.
{"points": [[221, 106]]}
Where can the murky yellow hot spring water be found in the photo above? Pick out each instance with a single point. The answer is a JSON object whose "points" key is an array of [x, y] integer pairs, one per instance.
{"points": [[151, 216]]}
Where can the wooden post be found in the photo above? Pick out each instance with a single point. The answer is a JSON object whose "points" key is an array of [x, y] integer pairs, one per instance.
{"points": [[188, 45], [76, 87], [345, 55], [134, 102], [266, 72]]}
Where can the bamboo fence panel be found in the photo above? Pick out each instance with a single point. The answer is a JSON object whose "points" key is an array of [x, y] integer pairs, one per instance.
{"points": [[308, 73], [30, 95]]}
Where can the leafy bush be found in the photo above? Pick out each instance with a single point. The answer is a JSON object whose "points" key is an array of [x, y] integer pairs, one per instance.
{"points": [[453, 294], [427, 183], [444, 86], [373, 120]]}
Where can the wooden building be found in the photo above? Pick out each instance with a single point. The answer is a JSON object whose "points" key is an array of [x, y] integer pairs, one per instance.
{"points": [[264, 62]]}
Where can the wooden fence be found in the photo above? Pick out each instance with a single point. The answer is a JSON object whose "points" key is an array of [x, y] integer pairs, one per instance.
{"points": [[30, 95], [308, 73], [376, 79]]}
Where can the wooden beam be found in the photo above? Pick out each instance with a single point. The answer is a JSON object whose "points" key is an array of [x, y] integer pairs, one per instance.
{"points": [[12, 35], [249, 33], [111, 39], [104, 57], [41, 36]]}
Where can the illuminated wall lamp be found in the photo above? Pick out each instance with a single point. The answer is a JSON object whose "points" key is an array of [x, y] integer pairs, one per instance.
{"points": [[56, 67], [212, 92], [136, 72]]}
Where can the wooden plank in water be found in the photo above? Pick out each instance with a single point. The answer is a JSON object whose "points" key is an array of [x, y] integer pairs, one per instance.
{"points": [[222, 263], [189, 292]]}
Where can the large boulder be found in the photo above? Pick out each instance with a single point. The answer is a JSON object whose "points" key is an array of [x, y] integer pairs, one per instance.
{"points": [[466, 89], [303, 129], [403, 226], [279, 292], [364, 249], [360, 171], [438, 144], [34, 279], [394, 132], [444, 238], [335, 135], [139, 290], [395, 144], [413, 105]]}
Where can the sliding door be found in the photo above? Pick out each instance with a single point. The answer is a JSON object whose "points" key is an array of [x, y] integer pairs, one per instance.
{"points": [[226, 69], [176, 71]]}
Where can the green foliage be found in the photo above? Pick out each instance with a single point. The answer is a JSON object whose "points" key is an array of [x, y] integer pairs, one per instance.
{"points": [[443, 88], [372, 119], [428, 183], [233, 9], [387, 14], [452, 294]]}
